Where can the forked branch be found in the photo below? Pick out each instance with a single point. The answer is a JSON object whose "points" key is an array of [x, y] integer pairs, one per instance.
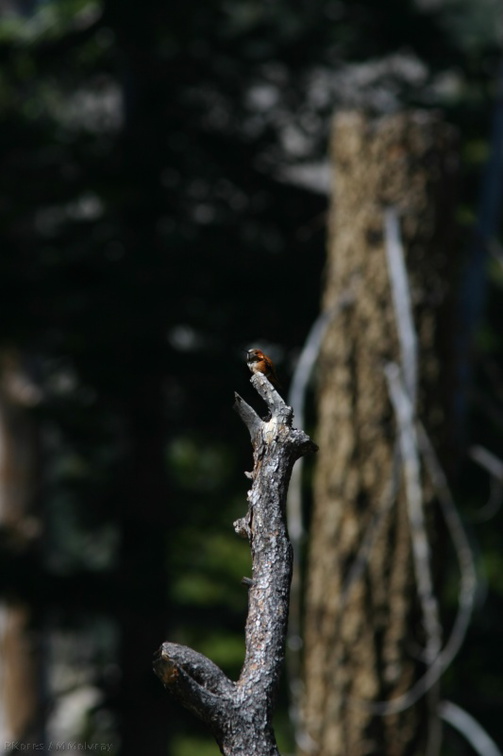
{"points": [[239, 713]]}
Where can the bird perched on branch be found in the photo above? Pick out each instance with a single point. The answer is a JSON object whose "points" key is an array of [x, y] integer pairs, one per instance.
{"points": [[258, 362]]}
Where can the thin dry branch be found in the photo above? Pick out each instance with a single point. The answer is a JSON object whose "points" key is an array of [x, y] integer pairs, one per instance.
{"points": [[470, 728], [464, 554], [404, 413], [414, 443], [467, 590], [297, 398], [239, 714], [400, 293]]}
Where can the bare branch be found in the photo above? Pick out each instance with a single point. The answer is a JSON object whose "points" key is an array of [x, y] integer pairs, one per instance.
{"points": [[404, 414], [271, 549], [488, 461], [247, 415], [403, 398], [466, 562], [198, 666], [309, 355], [239, 714], [401, 300], [470, 728], [194, 680], [296, 398], [468, 584]]}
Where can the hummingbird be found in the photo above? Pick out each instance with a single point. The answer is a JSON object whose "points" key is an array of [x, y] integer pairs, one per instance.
{"points": [[258, 362]]}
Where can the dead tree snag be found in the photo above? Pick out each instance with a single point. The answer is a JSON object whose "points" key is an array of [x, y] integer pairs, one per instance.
{"points": [[239, 713]]}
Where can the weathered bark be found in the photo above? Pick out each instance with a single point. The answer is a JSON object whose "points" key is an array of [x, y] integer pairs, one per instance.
{"points": [[363, 641], [239, 713]]}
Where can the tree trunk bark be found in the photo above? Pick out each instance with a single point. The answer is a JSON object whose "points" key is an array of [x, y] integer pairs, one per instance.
{"points": [[364, 634]]}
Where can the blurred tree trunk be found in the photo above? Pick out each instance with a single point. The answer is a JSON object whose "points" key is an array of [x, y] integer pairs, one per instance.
{"points": [[20, 710], [366, 647], [147, 507], [142, 714]]}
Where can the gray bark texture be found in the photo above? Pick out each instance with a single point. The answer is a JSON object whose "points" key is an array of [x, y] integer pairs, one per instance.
{"points": [[239, 713], [364, 631]]}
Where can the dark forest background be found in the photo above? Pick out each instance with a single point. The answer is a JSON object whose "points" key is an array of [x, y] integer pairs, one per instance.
{"points": [[163, 198]]}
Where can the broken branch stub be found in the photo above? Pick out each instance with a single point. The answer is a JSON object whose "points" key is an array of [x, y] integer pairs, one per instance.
{"points": [[239, 713]]}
